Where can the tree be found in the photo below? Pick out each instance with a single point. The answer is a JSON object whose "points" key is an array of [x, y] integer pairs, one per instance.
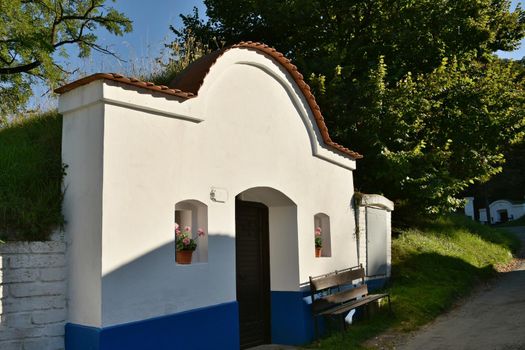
{"points": [[412, 85], [34, 33]]}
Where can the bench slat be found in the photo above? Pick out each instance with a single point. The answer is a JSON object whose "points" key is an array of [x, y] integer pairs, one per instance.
{"points": [[336, 299], [356, 303], [332, 301], [338, 279]]}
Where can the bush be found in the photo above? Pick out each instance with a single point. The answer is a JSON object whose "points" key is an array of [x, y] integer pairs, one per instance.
{"points": [[31, 173]]}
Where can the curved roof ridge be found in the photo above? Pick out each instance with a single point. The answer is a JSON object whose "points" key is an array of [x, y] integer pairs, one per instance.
{"points": [[305, 89], [188, 83]]}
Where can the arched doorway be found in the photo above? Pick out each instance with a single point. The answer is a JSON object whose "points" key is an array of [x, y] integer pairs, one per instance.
{"points": [[265, 221]]}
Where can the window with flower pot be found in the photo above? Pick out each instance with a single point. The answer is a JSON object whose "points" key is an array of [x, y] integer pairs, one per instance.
{"points": [[191, 232], [323, 246]]}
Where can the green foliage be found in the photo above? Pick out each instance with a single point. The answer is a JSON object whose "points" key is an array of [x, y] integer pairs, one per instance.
{"points": [[31, 173], [412, 85], [33, 35], [437, 133], [432, 267], [509, 184]]}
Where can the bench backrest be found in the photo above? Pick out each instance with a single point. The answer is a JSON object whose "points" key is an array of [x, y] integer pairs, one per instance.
{"points": [[336, 280]]}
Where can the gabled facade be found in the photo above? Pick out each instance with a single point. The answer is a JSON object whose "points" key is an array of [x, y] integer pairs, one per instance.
{"points": [[236, 146]]}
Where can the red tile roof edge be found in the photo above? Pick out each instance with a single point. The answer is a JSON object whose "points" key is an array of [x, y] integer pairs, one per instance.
{"points": [[124, 80], [305, 89], [203, 72]]}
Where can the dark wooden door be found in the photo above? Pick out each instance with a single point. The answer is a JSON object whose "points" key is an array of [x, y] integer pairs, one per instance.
{"points": [[253, 272], [503, 215]]}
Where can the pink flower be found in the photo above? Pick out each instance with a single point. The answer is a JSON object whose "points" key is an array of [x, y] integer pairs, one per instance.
{"points": [[176, 226], [200, 232], [177, 232], [187, 229], [317, 231], [186, 241]]}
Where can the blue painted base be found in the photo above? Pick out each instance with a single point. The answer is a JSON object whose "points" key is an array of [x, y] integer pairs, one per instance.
{"points": [[377, 283], [214, 327], [292, 322]]}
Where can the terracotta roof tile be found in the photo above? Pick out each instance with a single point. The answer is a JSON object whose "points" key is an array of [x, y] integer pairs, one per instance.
{"points": [[188, 82], [126, 81]]}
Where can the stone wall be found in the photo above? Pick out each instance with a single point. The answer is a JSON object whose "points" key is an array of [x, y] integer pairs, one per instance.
{"points": [[33, 295]]}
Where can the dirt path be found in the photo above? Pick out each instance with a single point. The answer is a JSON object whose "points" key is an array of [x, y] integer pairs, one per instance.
{"points": [[493, 318]]}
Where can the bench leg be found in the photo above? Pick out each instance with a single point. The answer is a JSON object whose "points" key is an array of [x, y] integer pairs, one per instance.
{"points": [[316, 328], [389, 305], [366, 312]]}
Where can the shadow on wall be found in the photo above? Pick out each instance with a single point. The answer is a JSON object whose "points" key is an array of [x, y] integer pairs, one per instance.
{"points": [[154, 284], [197, 299]]}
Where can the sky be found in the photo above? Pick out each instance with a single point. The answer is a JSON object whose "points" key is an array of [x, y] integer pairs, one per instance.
{"points": [[151, 21], [520, 52]]}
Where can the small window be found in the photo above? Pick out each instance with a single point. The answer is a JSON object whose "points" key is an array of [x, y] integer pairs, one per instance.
{"points": [[191, 220], [323, 244]]}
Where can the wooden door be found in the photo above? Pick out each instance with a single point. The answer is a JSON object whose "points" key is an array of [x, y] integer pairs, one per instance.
{"points": [[253, 273]]}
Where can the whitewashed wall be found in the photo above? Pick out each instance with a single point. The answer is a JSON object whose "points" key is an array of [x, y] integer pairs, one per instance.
{"points": [[33, 295], [469, 207], [82, 149], [371, 202], [249, 127]]}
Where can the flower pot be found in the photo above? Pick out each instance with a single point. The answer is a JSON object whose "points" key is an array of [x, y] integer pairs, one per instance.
{"points": [[318, 252], [183, 256]]}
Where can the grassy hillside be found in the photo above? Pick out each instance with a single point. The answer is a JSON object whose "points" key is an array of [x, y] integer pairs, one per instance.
{"points": [[518, 222], [433, 265], [31, 175]]}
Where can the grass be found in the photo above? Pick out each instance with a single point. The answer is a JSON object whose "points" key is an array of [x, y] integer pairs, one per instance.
{"points": [[31, 173], [518, 222], [433, 266]]}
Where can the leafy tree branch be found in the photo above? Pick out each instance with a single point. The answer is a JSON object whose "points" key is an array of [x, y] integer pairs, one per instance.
{"points": [[34, 33]]}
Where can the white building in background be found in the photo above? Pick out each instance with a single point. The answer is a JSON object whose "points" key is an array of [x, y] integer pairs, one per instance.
{"points": [[483, 216], [469, 207], [236, 146], [504, 210]]}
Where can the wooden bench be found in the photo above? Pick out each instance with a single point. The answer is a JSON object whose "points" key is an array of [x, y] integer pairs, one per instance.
{"points": [[335, 294]]}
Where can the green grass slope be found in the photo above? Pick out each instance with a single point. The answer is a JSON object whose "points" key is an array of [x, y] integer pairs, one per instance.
{"points": [[518, 222], [433, 265], [31, 175]]}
